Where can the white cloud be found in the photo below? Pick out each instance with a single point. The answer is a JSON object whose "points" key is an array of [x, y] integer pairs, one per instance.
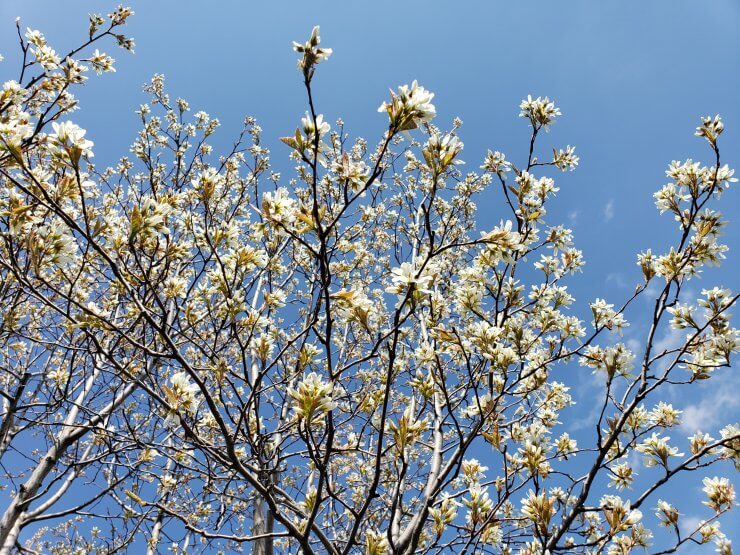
{"points": [[573, 217], [609, 210], [652, 291], [714, 407], [591, 386], [618, 279], [690, 523], [671, 339]]}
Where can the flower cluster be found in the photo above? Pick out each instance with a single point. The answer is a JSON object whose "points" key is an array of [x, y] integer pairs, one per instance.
{"points": [[657, 450], [308, 139], [618, 514], [413, 278], [441, 151], [312, 53], [181, 397], [541, 112], [606, 316], [539, 510], [311, 398], [408, 108], [69, 139], [720, 494]]}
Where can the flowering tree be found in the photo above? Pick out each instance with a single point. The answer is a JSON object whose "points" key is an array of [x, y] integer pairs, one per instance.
{"points": [[200, 355]]}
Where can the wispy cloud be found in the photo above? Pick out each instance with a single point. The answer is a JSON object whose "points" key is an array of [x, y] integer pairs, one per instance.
{"points": [[573, 217], [689, 524], [671, 339], [711, 411], [618, 279], [651, 292], [591, 385], [609, 210], [634, 345]]}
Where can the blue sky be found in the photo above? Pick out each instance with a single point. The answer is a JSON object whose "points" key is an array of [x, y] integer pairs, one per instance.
{"points": [[632, 79]]}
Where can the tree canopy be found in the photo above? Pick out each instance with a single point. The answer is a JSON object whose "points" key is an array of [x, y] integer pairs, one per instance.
{"points": [[199, 354]]}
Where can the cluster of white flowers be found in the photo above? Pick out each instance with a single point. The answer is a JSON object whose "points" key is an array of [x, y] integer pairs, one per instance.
{"points": [[539, 509], [615, 360], [541, 112], [376, 543], [311, 398], [312, 53], [657, 450], [618, 514], [711, 128], [495, 162], [720, 494], [181, 397], [444, 514], [408, 428], [664, 415], [410, 107], [440, 152], [622, 475], [478, 502], [352, 173], [502, 244], [70, 141], [565, 159], [279, 208], [532, 193], [354, 305], [606, 316], [314, 130], [667, 513], [413, 278], [309, 137], [15, 127], [208, 183], [101, 62]]}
